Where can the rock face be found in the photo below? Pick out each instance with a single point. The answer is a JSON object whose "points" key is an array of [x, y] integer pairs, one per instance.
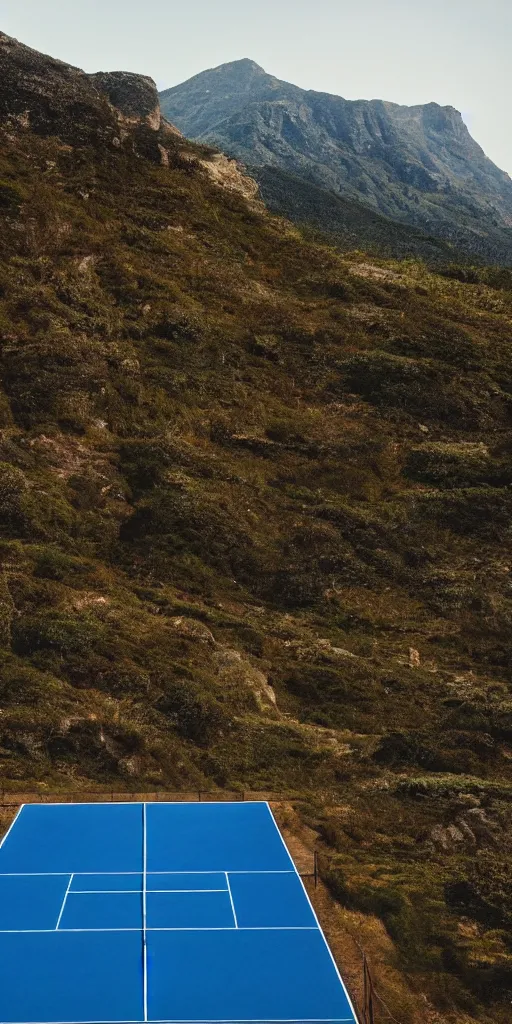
{"points": [[115, 108], [52, 98], [228, 174], [472, 830], [135, 96], [417, 165]]}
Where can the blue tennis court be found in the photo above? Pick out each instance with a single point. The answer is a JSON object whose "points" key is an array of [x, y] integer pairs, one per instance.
{"points": [[159, 913]]}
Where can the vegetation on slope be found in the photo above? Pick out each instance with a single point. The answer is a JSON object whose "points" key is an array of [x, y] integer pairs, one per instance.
{"points": [[346, 224], [255, 532]]}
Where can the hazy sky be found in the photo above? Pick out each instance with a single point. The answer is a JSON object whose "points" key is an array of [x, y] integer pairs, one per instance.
{"points": [[409, 51]]}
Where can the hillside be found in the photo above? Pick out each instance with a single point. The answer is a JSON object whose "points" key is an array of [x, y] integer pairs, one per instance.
{"points": [[255, 506], [417, 166], [344, 223]]}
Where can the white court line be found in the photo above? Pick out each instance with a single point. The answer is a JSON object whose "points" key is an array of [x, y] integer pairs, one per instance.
{"points": [[106, 892], [77, 874], [123, 892], [203, 803], [244, 928], [231, 928], [231, 900], [64, 903], [236, 871], [186, 890], [144, 908], [62, 931], [239, 1020], [76, 803], [327, 946], [36, 874], [154, 803], [13, 822], [56, 874]]}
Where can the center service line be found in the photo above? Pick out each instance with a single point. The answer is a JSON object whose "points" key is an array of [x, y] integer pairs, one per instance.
{"points": [[144, 909]]}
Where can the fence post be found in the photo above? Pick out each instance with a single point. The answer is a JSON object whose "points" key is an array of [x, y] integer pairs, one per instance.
{"points": [[365, 991], [199, 795], [368, 993]]}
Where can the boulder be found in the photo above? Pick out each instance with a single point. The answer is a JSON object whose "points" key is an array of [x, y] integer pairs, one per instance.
{"points": [[235, 668]]}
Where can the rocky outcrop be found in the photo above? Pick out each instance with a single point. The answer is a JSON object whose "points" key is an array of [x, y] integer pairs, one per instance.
{"points": [[471, 830], [114, 108], [50, 98], [235, 670], [417, 165], [228, 174], [134, 96]]}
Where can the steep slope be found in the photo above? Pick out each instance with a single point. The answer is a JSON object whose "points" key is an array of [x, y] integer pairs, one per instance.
{"points": [[345, 223], [255, 505], [416, 165]]}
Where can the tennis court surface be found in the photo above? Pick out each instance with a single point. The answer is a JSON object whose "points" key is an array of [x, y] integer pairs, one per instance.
{"points": [[159, 912]]}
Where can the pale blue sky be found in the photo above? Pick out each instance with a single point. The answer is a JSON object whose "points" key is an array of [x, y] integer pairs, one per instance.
{"points": [[408, 51]]}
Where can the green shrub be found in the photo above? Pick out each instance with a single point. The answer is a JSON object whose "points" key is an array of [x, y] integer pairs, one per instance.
{"points": [[183, 523], [398, 750], [21, 684], [54, 564], [13, 500], [145, 463], [484, 512], [53, 373], [12, 197], [329, 694], [443, 340], [454, 465], [56, 631], [5, 408], [196, 715], [419, 387]]}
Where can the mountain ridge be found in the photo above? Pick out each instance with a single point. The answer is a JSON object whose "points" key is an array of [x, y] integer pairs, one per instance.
{"points": [[416, 165]]}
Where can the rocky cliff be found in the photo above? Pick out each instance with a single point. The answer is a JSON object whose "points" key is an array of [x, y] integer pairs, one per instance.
{"points": [[117, 109], [417, 165], [52, 98]]}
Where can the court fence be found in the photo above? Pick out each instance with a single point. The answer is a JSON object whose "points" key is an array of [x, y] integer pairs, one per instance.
{"points": [[11, 798], [370, 1008]]}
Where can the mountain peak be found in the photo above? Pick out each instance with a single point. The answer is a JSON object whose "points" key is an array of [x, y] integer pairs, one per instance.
{"points": [[244, 62], [417, 165]]}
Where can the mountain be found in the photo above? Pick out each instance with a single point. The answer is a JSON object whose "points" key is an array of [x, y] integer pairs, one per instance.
{"points": [[255, 507], [417, 166], [346, 223]]}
